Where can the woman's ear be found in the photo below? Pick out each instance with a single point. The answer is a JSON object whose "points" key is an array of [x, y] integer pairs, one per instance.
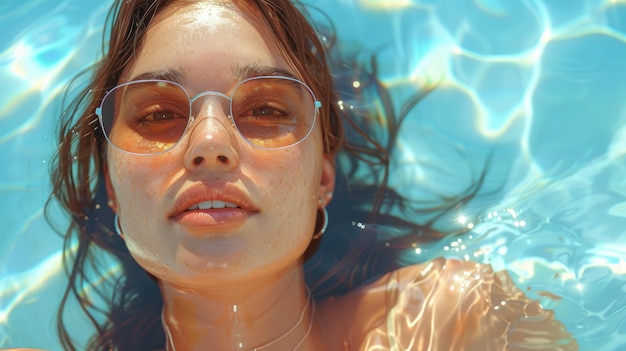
{"points": [[327, 182], [112, 203]]}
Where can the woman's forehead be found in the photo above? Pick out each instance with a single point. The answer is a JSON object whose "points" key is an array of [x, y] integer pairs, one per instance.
{"points": [[212, 15], [203, 38], [199, 20]]}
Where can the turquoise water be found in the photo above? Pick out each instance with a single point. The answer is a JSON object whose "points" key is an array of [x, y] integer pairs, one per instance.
{"points": [[541, 85]]}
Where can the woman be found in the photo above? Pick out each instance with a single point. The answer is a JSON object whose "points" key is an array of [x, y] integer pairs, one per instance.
{"points": [[211, 131]]}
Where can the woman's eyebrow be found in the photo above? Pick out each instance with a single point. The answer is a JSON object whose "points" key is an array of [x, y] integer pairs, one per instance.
{"points": [[172, 75], [251, 70]]}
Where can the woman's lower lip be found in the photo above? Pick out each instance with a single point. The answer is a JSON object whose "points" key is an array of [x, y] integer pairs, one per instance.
{"points": [[212, 218]]}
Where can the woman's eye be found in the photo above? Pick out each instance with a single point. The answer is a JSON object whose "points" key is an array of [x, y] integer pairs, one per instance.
{"points": [[162, 116], [156, 115], [265, 111]]}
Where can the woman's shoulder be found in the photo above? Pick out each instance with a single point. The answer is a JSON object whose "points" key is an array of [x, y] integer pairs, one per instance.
{"points": [[448, 304]]}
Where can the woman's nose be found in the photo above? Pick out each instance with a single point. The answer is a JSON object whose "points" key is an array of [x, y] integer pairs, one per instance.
{"points": [[211, 138]]}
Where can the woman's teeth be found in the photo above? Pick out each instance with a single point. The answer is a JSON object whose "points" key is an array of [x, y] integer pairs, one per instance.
{"points": [[212, 204]]}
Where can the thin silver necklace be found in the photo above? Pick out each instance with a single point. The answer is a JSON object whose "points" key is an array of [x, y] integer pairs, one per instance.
{"points": [[310, 301]]}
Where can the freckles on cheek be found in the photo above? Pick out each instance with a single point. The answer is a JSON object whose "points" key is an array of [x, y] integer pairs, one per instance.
{"points": [[131, 182], [122, 186]]}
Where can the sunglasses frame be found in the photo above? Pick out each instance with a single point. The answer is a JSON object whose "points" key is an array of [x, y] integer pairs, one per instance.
{"points": [[99, 110]]}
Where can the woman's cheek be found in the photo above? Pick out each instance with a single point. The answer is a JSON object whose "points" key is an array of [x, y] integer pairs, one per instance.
{"points": [[134, 187], [129, 177]]}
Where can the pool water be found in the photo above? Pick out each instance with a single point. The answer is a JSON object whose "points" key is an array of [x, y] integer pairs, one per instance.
{"points": [[538, 86]]}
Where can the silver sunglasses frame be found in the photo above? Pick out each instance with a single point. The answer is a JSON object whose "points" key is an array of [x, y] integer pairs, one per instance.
{"points": [[317, 104]]}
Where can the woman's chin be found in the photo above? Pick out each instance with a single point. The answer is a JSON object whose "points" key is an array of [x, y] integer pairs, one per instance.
{"points": [[214, 260]]}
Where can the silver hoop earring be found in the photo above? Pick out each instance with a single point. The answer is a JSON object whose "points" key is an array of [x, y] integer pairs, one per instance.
{"points": [[322, 223], [118, 226]]}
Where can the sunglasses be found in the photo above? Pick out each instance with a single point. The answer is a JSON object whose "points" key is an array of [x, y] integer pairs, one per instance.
{"points": [[147, 117]]}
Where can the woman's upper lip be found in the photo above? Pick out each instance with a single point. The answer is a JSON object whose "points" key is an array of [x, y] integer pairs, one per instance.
{"points": [[203, 192]]}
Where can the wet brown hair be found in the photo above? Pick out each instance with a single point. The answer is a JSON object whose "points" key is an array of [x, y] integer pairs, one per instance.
{"points": [[123, 301]]}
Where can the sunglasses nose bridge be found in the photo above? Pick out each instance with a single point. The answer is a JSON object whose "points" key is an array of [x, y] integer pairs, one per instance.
{"points": [[209, 105], [210, 93]]}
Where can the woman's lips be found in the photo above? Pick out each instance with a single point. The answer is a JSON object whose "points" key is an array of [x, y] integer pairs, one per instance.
{"points": [[213, 218], [212, 207]]}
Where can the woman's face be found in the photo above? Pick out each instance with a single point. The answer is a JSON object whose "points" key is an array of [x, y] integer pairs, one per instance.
{"points": [[206, 47]]}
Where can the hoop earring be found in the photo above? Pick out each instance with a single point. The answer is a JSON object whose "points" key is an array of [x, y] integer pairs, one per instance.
{"points": [[118, 226], [322, 223]]}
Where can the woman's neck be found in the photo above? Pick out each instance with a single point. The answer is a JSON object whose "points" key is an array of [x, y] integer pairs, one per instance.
{"points": [[272, 313]]}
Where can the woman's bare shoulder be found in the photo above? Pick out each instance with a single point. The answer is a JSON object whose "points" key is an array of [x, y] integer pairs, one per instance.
{"points": [[450, 304]]}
